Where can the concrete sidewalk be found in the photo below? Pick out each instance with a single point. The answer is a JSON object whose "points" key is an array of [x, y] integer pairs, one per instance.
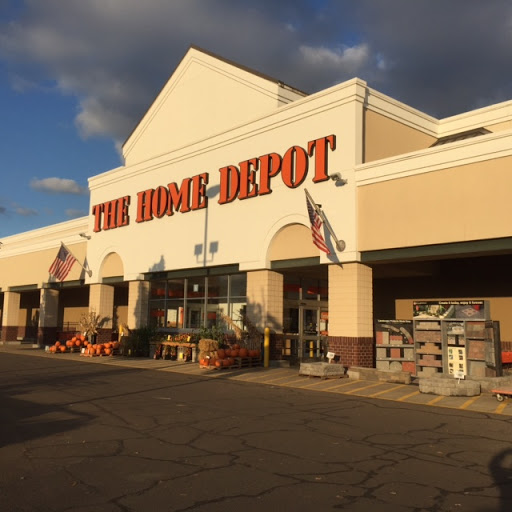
{"points": [[289, 377]]}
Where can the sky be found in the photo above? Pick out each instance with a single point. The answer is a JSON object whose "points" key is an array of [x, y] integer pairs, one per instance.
{"points": [[76, 76]]}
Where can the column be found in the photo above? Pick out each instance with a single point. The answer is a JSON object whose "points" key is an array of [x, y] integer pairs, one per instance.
{"points": [[351, 314], [48, 317], [101, 302], [265, 306], [11, 316], [138, 304]]}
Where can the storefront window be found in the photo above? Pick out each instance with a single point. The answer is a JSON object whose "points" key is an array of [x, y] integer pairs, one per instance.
{"points": [[158, 289], [238, 285], [170, 307], [175, 314], [296, 288], [157, 313], [218, 286], [176, 288], [310, 289], [195, 314], [195, 287], [291, 287]]}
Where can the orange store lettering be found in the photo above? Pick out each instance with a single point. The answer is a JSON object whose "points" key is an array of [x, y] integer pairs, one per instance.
{"points": [[236, 182]]}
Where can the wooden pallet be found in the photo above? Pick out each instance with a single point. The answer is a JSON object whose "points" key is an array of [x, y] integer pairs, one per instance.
{"points": [[240, 362]]}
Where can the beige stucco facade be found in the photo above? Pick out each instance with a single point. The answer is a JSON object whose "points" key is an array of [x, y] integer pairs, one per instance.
{"points": [[212, 190]]}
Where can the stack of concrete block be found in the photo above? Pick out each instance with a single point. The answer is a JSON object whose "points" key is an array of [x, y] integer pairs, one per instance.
{"points": [[324, 370], [448, 386]]}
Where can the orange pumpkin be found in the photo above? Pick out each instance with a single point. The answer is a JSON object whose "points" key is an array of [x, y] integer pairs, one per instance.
{"points": [[57, 343], [226, 363], [243, 352], [227, 351], [218, 363], [234, 352], [236, 346], [78, 343], [53, 348], [221, 353], [107, 351], [231, 361], [62, 348], [116, 345]]}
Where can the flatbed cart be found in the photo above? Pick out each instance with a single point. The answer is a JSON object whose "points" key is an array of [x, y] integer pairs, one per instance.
{"points": [[502, 393]]}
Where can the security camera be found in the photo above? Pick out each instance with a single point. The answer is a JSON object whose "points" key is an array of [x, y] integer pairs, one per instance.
{"points": [[338, 179]]}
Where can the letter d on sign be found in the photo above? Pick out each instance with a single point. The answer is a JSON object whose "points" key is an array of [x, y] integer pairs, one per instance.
{"points": [[229, 183]]}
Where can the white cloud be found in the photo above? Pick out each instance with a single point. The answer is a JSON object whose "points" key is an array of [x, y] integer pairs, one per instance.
{"points": [[26, 212], [347, 59], [58, 186], [114, 56], [73, 213]]}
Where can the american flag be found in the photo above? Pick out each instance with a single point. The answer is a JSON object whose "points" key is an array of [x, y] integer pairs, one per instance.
{"points": [[316, 224], [62, 264]]}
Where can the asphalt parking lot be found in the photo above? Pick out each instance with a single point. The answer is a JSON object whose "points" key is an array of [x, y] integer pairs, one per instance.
{"points": [[289, 377], [114, 434]]}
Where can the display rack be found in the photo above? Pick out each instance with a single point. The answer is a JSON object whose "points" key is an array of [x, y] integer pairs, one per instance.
{"points": [[395, 345], [454, 339], [428, 345]]}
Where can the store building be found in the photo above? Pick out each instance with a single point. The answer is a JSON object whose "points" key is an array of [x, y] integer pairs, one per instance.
{"points": [[207, 217]]}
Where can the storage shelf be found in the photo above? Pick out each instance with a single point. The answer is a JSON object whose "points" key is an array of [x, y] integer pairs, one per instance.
{"points": [[429, 352], [394, 359], [391, 345], [430, 364]]}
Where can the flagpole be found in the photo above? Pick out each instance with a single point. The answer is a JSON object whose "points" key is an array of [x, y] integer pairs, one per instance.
{"points": [[340, 244], [89, 272]]}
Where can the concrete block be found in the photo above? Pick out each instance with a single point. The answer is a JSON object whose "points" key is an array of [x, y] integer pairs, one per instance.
{"points": [[448, 386], [324, 370], [356, 372]]}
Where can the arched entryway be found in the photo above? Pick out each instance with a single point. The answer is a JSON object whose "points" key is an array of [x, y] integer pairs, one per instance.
{"points": [[305, 313]]}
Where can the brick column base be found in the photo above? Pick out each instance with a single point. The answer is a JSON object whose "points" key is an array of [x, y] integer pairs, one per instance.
{"points": [[104, 335], [353, 351], [46, 336], [276, 346], [10, 333]]}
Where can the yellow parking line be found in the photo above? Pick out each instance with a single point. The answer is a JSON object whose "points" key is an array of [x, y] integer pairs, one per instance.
{"points": [[500, 408], [364, 387], [467, 403], [405, 397], [435, 400], [300, 379], [317, 381], [274, 379], [339, 386], [386, 391]]}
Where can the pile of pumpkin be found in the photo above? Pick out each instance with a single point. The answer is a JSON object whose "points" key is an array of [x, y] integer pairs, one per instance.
{"points": [[210, 355], [79, 341], [76, 342], [102, 349]]}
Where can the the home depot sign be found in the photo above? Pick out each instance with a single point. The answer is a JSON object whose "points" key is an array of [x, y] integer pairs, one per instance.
{"points": [[251, 178]]}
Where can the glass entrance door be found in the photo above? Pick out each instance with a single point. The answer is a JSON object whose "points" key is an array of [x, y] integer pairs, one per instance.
{"points": [[306, 329]]}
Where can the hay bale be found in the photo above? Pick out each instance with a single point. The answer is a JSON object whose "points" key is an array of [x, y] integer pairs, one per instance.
{"points": [[207, 348]]}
